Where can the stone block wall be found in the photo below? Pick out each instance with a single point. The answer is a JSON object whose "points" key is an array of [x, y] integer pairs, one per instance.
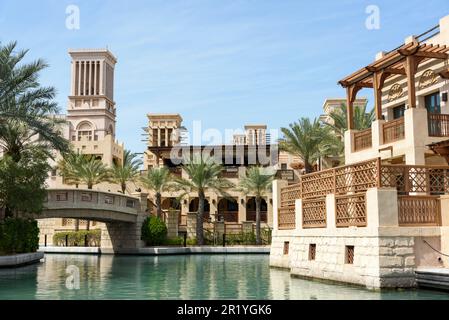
{"points": [[172, 223]]}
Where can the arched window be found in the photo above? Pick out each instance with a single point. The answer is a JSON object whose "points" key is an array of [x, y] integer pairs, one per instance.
{"points": [[84, 131]]}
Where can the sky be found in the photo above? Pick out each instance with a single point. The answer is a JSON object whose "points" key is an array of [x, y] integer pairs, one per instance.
{"points": [[225, 63]]}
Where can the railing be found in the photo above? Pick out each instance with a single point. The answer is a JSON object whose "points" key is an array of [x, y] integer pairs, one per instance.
{"points": [[251, 216], [286, 218], [350, 210], [362, 139], [289, 194], [423, 179], [230, 173], [314, 213], [393, 130], [285, 174], [438, 124], [419, 211], [228, 216]]}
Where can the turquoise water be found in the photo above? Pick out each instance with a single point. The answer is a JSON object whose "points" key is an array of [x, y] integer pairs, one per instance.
{"points": [[176, 277]]}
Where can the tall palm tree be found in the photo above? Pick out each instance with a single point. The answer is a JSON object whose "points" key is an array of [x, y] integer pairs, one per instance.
{"points": [[204, 173], [339, 122], [126, 172], [23, 99], [308, 140], [157, 180], [257, 181], [77, 168]]}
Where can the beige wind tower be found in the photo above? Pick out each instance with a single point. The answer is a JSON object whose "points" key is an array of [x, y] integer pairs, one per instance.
{"points": [[91, 109]]}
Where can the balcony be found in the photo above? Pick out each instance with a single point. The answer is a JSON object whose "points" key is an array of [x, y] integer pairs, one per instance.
{"points": [[393, 130], [362, 140], [407, 137]]}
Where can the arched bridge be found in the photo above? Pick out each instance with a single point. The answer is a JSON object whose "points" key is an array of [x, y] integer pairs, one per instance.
{"points": [[91, 205]]}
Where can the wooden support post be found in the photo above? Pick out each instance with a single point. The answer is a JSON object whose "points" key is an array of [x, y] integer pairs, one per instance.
{"points": [[377, 86], [349, 109], [410, 69]]}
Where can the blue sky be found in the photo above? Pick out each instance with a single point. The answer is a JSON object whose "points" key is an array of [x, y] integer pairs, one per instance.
{"points": [[223, 62]]}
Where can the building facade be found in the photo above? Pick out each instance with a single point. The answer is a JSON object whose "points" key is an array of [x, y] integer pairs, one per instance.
{"points": [[385, 214], [90, 123]]}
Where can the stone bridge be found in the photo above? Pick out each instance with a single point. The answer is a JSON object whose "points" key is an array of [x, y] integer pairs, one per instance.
{"points": [[122, 214]]}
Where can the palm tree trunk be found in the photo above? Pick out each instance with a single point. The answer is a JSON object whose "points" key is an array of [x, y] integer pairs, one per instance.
{"points": [[308, 166], [258, 201], [123, 188], [77, 224], [158, 205], [89, 186], [199, 219]]}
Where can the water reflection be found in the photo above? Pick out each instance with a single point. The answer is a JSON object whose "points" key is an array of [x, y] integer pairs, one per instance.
{"points": [[176, 277]]}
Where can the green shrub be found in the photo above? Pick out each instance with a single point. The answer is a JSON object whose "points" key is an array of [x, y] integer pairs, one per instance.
{"points": [[178, 241], [18, 236], [154, 231], [192, 242], [78, 238]]}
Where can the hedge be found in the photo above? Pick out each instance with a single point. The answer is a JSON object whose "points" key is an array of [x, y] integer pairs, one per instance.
{"points": [[18, 236], [78, 238], [154, 231]]}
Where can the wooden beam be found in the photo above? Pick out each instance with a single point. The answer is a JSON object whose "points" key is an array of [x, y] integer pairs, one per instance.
{"points": [[351, 94], [434, 55], [377, 86], [395, 71], [444, 74], [410, 68]]}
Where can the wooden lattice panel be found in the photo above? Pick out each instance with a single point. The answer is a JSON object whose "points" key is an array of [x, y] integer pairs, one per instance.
{"points": [[362, 140], [314, 213], [318, 184], [357, 177], [289, 194], [419, 211], [286, 218], [406, 179], [351, 210]]}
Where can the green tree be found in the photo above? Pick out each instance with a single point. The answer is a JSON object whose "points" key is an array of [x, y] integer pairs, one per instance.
{"points": [[77, 168], [24, 100], [22, 183], [157, 180], [308, 140], [257, 181], [339, 119], [204, 173], [128, 171]]}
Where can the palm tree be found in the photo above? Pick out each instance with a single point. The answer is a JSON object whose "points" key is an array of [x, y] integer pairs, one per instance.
{"points": [[204, 173], [339, 122], [157, 180], [308, 140], [256, 181], [77, 168], [24, 100], [126, 172]]}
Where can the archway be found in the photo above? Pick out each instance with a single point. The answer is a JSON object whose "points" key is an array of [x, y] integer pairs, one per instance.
{"points": [[194, 204], [228, 210], [251, 210], [170, 203]]}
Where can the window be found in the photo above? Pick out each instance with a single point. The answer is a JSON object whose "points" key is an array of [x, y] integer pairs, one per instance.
{"points": [[86, 196], [398, 112], [130, 203], [432, 102], [109, 200], [283, 166], [53, 172], [62, 196], [312, 251], [286, 247], [349, 255]]}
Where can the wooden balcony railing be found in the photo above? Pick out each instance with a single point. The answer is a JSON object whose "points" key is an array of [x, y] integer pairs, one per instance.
{"points": [[176, 171], [230, 173], [438, 125], [228, 216], [350, 210], [286, 218], [393, 130], [419, 211], [362, 139], [314, 213], [251, 216]]}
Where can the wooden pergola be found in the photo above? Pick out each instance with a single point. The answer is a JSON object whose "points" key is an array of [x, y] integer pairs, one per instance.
{"points": [[441, 148], [401, 61]]}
